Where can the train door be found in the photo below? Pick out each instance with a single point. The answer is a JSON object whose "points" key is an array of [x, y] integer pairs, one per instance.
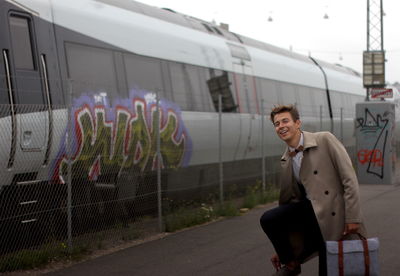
{"points": [[27, 53], [246, 89], [248, 103], [26, 85]]}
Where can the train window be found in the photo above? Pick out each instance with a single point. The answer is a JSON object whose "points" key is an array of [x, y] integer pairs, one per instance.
{"points": [[307, 106], [288, 93], [350, 107], [320, 100], [346, 102], [21, 40], [91, 69], [144, 73], [187, 86], [206, 103], [198, 85], [269, 94], [337, 102], [181, 85]]}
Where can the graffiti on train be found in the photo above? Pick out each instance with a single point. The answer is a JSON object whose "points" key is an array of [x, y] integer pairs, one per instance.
{"points": [[112, 139], [375, 129]]}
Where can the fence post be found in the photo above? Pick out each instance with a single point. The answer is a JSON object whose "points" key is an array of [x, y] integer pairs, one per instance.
{"points": [[341, 124], [320, 117], [221, 168], [68, 138], [262, 145], [159, 191]]}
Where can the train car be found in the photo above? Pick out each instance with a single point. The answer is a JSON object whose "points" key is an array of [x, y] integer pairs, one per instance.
{"points": [[101, 67]]}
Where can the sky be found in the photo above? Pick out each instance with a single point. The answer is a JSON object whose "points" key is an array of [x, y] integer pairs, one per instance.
{"points": [[299, 25]]}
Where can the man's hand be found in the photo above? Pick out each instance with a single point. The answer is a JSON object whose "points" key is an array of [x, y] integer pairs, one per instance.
{"points": [[351, 228], [276, 262]]}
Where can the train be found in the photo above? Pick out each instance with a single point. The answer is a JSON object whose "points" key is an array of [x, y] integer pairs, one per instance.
{"points": [[82, 83]]}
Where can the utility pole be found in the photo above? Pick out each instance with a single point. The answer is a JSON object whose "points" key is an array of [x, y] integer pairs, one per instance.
{"points": [[374, 56]]}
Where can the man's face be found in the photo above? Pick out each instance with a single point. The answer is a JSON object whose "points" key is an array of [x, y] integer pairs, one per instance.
{"points": [[285, 127]]}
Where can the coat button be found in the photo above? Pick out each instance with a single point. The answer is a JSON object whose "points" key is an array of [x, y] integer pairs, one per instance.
{"points": [[327, 192], [315, 172], [333, 213]]}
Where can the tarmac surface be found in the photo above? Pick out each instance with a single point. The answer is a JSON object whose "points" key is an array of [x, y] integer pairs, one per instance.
{"points": [[238, 246]]}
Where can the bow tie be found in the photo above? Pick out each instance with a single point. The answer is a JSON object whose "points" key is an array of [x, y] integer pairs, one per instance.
{"points": [[293, 153]]}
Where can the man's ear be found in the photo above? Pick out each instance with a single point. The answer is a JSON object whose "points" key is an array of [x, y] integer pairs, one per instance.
{"points": [[298, 123]]}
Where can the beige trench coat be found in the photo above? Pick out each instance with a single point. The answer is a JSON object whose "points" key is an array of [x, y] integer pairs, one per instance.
{"points": [[330, 182]]}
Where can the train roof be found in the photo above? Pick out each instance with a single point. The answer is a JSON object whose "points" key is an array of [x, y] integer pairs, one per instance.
{"points": [[165, 34], [211, 28]]}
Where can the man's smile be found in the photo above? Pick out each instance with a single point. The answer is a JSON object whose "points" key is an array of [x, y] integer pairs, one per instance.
{"points": [[283, 131]]}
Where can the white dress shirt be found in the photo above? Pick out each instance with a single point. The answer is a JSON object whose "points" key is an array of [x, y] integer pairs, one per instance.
{"points": [[296, 161]]}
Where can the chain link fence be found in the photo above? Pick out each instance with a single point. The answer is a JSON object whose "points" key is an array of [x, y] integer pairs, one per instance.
{"points": [[103, 170]]}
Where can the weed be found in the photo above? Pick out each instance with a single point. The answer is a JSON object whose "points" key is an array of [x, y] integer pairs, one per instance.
{"points": [[25, 259], [186, 217], [79, 251], [255, 195], [227, 209], [131, 234]]}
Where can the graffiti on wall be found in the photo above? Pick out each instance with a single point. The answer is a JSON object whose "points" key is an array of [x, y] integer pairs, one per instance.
{"points": [[375, 129], [112, 139]]}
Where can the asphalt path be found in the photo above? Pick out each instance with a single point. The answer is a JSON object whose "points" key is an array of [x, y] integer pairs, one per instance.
{"points": [[237, 246]]}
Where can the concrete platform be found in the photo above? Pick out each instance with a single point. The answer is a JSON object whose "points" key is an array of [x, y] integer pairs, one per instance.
{"points": [[237, 246]]}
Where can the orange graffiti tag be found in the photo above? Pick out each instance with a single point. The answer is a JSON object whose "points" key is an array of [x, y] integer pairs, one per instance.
{"points": [[375, 157]]}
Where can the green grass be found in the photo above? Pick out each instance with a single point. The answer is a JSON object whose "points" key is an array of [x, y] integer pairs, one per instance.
{"points": [[187, 217], [36, 258], [25, 259], [131, 235], [256, 196], [227, 209]]}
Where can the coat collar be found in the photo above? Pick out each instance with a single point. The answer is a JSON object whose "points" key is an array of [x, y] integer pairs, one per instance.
{"points": [[309, 142]]}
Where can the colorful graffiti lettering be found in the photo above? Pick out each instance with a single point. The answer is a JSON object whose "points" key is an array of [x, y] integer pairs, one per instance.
{"points": [[375, 157], [109, 140]]}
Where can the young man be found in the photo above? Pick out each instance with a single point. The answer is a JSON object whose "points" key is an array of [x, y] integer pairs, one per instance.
{"points": [[319, 197]]}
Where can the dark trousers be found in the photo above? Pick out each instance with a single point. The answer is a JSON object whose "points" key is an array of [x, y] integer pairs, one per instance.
{"points": [[295, 219]]}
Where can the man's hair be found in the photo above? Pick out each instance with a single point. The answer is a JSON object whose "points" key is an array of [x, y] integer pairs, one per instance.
{"points": [[285, 108]]}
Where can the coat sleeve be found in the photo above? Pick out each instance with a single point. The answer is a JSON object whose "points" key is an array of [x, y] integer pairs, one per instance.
{"points": [[348, 179]]}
